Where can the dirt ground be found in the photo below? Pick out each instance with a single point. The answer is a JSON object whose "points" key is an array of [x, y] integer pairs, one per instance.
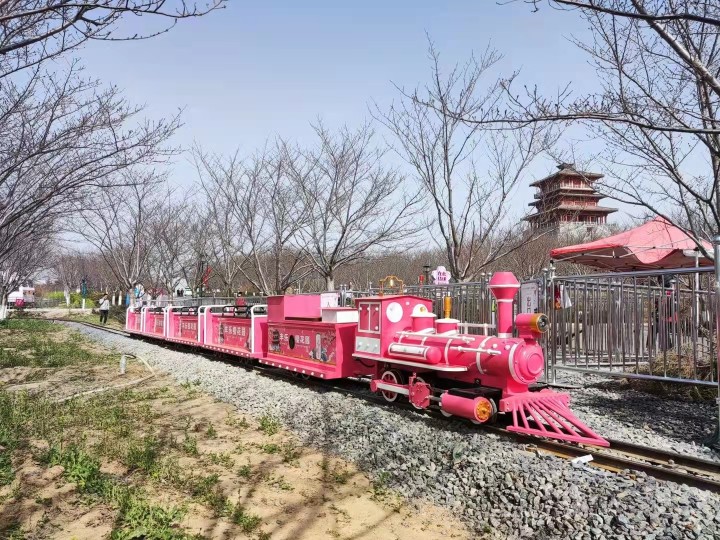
{"points": [[226, 475]]}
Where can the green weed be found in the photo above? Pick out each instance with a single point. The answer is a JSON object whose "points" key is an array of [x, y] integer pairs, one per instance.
{"points": [[269, 424], [248, 522], [245, 471], [290, 452], [221, 459], [270, 448]]}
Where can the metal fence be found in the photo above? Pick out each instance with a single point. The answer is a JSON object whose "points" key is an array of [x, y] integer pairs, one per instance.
{"points": [[471, 302], [652, 325]]}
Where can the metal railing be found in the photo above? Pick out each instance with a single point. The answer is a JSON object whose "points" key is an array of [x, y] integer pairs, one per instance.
{"points": [[471, 302], [657, 325]]}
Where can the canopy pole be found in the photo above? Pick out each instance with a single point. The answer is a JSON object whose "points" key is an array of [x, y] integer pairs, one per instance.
{"points": [[714, 440]]}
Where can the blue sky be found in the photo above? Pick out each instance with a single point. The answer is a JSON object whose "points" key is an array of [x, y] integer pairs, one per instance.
{"points": [[257, 69]]}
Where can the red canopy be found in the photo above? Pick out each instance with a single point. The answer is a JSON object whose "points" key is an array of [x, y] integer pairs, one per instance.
{"points": [[652, 245]]}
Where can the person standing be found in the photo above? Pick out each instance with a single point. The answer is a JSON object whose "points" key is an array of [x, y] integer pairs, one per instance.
{"points": [[104, 309]]}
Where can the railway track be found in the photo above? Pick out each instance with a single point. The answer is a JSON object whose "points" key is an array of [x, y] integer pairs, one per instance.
{"points": [[621, 456]]}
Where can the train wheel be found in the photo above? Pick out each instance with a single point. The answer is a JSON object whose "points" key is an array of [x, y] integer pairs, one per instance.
{"points": [[392, 376], [419, 379]]}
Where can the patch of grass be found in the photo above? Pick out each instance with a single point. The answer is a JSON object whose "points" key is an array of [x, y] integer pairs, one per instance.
{"points": [[200, 486], [80, 468], [248, 522], [189, 445], [206, 490], [221, 459], [211, 433], [279, 483], [143, 454], [341, 475], [13, 532], [380, 485], [269, 424], [234, 422], [290, 452], [35, 343], [136, 516], [270, 448], [245, 471]]}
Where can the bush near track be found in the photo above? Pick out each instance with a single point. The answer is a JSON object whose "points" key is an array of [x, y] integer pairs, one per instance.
{"points": [[162, 460]]}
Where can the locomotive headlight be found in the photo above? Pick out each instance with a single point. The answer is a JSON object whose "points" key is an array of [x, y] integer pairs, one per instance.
{"points": [[531, 325], [540, 323]]}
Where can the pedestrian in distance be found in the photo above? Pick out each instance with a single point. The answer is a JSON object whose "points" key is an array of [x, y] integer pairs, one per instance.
{"points": [[104, 308]]}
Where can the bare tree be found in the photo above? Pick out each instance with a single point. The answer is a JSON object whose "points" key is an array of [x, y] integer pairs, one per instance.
{"points": [[471, 206], [119, 226], [355, 204], [231, 208], [171, 228], [32, 31], [256, 216], [657, 110], [65, 139], [69, 269], [28, 256]]}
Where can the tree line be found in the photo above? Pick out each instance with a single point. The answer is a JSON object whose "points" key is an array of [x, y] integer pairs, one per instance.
{"points": [[78, 161]]}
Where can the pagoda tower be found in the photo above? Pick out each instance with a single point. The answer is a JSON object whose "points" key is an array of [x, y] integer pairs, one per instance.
{"points": [[567, 201]]}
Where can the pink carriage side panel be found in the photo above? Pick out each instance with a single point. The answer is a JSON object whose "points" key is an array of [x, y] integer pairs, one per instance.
{"points": [[311, 348], [183, 327], [132, 320], [155, 323]]}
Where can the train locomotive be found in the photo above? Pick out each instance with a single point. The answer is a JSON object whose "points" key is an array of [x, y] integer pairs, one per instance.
{"points": [[397, 344]]}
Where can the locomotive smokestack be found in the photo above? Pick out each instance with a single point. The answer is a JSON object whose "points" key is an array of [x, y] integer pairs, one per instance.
{"points": [[504, 286]]}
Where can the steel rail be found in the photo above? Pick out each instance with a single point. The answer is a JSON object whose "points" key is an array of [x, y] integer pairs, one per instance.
{"points": [[621, 456]]}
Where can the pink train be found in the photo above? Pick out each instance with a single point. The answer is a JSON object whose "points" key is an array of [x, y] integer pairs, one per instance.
{"points": [[396, 343]]}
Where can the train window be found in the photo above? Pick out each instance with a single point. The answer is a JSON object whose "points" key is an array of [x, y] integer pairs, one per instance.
{"points": [[291, 342]]}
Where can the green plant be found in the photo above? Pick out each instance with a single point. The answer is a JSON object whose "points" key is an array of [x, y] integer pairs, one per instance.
{"points": [[143, 455], [189, 445], [222, 459], [80, 468], [240, 424], [206, 490], [270, 448], [341, 475], [211, 432], [290, 452], [240, 516], [269, 424], [245, 471], [279, 483], [380, 485]]}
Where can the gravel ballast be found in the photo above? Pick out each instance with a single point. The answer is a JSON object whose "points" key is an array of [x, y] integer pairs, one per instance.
{"points": [[616, 410], [501, 489]]}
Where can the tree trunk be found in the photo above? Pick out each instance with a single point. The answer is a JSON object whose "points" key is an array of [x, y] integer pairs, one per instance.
{"points": [[329, 283], [3, 307], [67, 295]]}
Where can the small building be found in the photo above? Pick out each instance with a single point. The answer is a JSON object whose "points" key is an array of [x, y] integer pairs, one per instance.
{"points": [[567, 201]]}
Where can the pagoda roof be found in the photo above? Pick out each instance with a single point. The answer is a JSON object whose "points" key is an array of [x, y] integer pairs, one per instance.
{"points": [[567, 169], [595, 196], [579, 209]]}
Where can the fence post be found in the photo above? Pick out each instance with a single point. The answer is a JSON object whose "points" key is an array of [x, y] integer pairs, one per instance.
{"points": [[714, 441], [552, 314], [542, 308]]}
